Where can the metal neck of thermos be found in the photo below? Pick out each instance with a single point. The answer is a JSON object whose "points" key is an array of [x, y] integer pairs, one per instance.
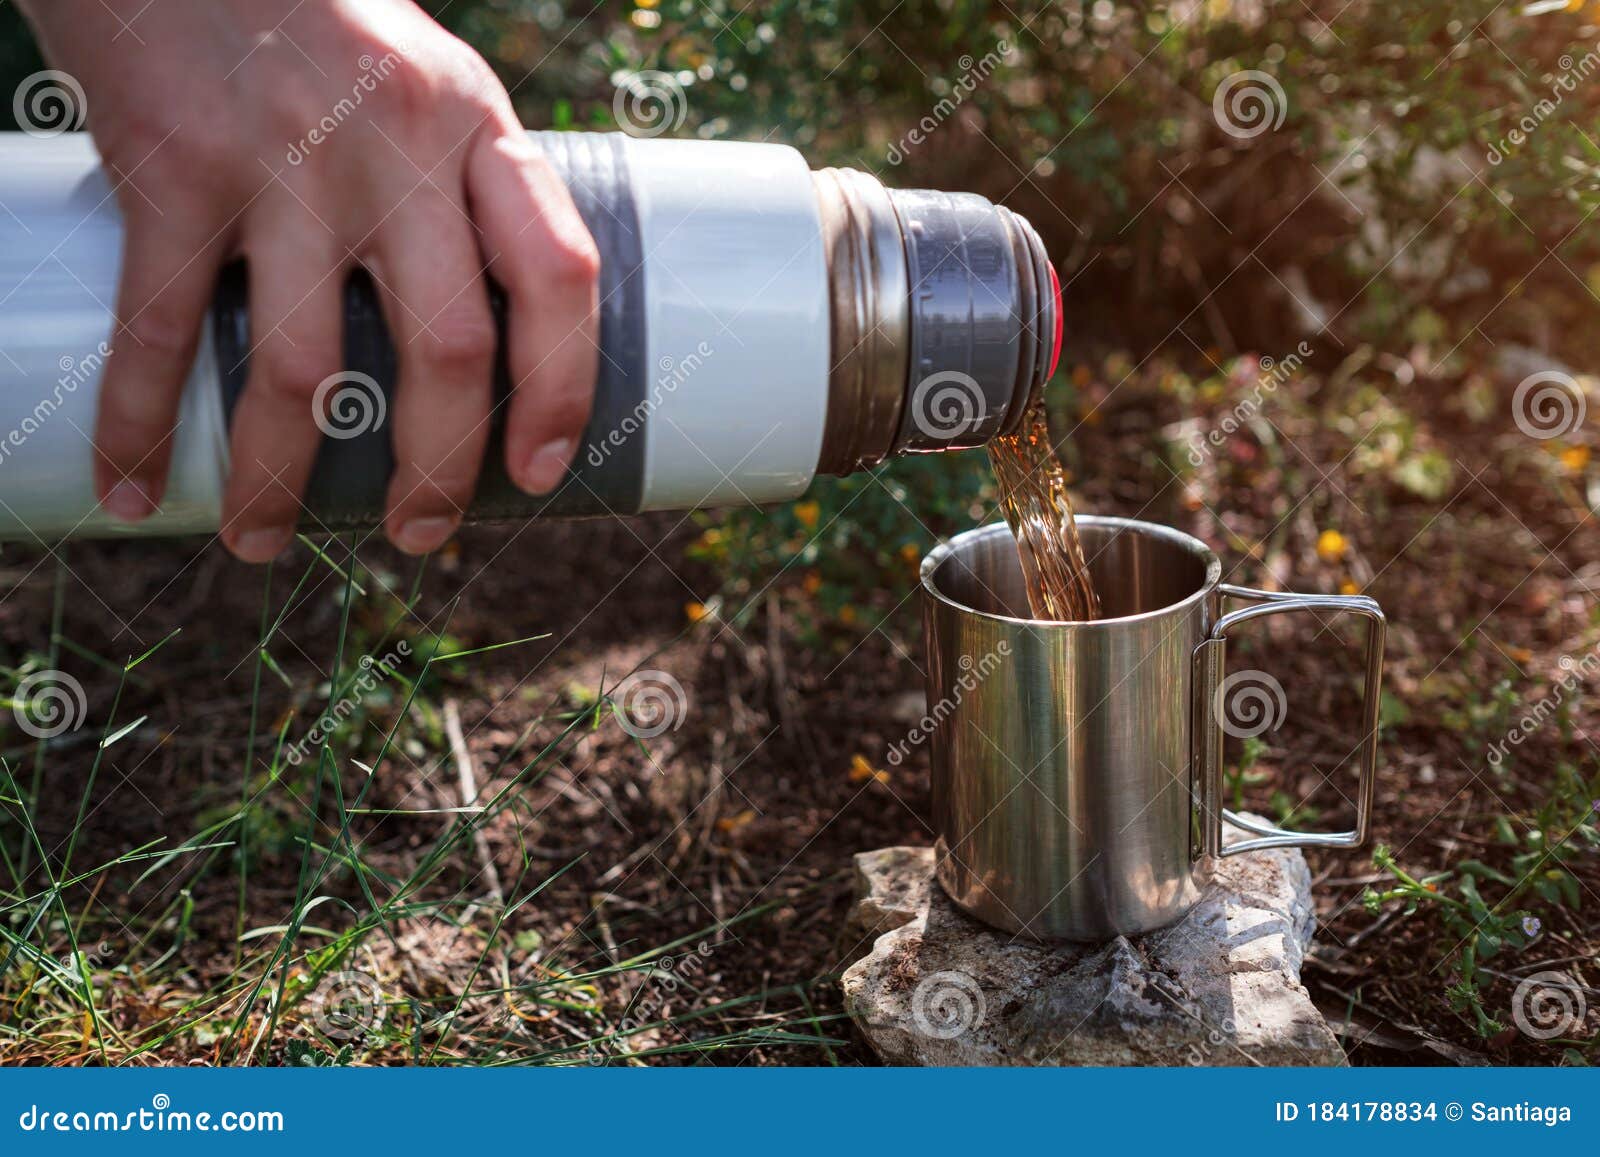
{"points": [[943, 320]]}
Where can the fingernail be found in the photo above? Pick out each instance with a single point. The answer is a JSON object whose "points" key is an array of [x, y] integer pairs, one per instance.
{"points": [[547, 466], [129, 501], [262, 545], [420, 535]]}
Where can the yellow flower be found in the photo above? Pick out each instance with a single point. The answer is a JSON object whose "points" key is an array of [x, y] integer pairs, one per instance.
{"points": [[711, 536], [696, 611], [1348, 587], [1520, 655], [847, 614], [807, 513], [861, 770], [1331, 545], [910, 553], [812, 582], [734, 823], [1575, 458]]}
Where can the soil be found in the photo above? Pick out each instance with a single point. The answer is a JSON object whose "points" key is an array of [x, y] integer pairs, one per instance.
{"points": [[737, 826]]}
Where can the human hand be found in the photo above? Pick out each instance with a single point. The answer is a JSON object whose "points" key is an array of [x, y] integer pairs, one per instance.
{"points": [[199, 109]]}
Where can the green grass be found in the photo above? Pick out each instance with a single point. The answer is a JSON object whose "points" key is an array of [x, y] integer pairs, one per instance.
{"points": [[326, 983]]}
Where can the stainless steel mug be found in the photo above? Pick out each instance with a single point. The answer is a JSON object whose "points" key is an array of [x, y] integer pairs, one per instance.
{"points": [[1077, 770]]}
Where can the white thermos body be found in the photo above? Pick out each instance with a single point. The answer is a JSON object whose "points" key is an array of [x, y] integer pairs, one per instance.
{"points": [[761, 323]]}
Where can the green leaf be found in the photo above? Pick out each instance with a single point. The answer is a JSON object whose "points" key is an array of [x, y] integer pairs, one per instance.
{"points": [[121, 732]]}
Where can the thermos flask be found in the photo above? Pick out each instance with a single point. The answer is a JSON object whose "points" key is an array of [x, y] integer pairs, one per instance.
{"points": [[760, 323]]}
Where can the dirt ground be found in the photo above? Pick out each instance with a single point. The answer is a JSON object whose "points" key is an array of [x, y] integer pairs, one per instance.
{"points": [[735, 829]]}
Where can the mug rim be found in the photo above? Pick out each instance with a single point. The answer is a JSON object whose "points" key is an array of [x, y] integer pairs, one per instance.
{"points": [[1187, 542]]}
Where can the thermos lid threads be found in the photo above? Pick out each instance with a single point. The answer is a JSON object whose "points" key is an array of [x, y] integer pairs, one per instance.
{"points": [[945, 320]]}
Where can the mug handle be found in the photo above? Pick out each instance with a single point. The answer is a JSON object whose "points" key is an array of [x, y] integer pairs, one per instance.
{"points": [[1209, 664]]}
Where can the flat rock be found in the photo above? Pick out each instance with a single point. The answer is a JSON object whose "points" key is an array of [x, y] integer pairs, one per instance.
{"points": [[1220, 987]]}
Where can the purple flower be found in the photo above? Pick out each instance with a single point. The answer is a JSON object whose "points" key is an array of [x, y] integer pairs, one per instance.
{"points": [[1531, 926]]}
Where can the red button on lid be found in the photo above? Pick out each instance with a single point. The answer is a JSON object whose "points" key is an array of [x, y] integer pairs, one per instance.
{"points": [[1055, 353]]}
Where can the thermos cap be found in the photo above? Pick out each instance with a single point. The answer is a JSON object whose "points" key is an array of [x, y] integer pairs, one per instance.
{"points": [[946, 319]]}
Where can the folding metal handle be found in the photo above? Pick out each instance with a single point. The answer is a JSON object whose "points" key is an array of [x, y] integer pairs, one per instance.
{"points": [[1211, 686]]}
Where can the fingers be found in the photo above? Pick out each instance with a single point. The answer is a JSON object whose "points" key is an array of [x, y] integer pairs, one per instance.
{"points": [[430, 273], [169, 269], [296, 307], [543, 256], [428, 264]]}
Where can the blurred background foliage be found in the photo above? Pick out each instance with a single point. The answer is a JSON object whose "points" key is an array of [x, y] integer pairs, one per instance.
{"points": [[1393, 213]]}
